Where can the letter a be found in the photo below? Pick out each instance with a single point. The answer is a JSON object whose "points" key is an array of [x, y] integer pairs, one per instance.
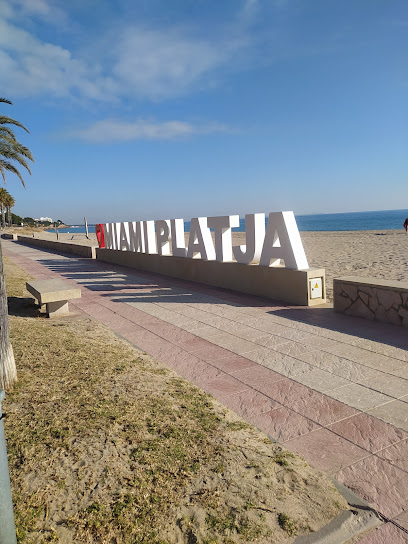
{"points": [[282, 241], [200, 240]]}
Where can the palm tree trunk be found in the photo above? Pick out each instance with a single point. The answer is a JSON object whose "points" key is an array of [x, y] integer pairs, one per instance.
{"points": [[9, 216], [3, 218], [8, 371]]}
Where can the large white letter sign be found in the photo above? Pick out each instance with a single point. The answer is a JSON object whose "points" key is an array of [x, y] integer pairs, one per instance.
{"points": [[200, 240], [222, 235], [136, 239], [162, 236], [178, 243], [124, 237], [282, 241], [149, 237], [108, 230], [255, 236], [116, 235]]}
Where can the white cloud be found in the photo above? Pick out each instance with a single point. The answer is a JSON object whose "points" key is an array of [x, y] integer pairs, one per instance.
{"points": [[131, 62], [162, 63], [29, 67], [110, 130], [158, 64], [43, 9]]}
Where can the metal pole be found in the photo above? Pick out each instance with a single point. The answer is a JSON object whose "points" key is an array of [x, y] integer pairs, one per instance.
{"points": [[7, 528], [86, 227]]}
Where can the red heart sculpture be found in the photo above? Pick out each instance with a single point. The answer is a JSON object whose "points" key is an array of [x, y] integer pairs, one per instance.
{"points": [[100, 234]]}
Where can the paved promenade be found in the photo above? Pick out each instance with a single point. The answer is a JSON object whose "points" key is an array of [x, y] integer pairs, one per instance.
{"points": [[331, 388]]}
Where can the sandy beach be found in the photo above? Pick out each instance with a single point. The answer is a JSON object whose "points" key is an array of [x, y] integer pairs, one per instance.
{"points": [[379, 254]]}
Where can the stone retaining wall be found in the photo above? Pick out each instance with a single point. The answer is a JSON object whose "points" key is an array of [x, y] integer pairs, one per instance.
{"points": [[278, 283], [76, 249], [372, 298]]}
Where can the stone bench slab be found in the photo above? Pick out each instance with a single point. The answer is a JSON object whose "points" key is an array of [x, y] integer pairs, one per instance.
{"points": [[54, 293], [372, 298]]}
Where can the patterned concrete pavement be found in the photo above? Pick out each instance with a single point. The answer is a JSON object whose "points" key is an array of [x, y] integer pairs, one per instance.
{"points": [[330, 387]]}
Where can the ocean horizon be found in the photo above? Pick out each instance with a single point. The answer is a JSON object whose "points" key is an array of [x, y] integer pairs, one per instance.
{"points": [[328, 222]]}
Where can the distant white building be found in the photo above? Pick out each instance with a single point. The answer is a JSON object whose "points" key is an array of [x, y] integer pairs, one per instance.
{"points": [[44, 219]]}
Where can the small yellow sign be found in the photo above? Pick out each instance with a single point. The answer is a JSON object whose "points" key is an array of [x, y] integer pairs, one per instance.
{"points": [[316, 286]]}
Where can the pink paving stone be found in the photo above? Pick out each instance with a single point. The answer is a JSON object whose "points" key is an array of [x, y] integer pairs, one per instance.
{"points": [[198, 372], [212, 353], [118, 320], [174, 334], [379, 483], [232, 363], [165, 351], [260, 378], [326, 450], [396, 454], [141, 318], [386, 534], [368, 432], [94, 309], [283, 424], [139, 337], [312, 404], [248, 403], [221, 384], [192, 343], [402, 519]]}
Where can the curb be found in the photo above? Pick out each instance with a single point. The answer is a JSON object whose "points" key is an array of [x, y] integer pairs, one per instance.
{"points": [[346, 525]]}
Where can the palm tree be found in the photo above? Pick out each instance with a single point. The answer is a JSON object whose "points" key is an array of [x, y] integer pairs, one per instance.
{"points": [[9, 203], [11, 153], [3, 199]]}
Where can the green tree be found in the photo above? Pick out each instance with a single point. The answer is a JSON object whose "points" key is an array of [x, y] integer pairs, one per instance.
{"points": [[16, 219], [3, 198], [9, 204], [12, 154]]}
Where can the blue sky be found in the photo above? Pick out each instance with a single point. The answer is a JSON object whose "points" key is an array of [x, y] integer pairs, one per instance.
{"points": [[149, 109]]}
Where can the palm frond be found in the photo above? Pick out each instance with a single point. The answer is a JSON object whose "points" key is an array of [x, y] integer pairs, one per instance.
{"points": [[10, 154], [25, 152], [9, 121], [2, 173], [7, 131], [11, 168], [11, 151]]}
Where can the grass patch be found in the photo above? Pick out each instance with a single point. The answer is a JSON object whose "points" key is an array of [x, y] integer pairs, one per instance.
{"points": [[107, 445], [287, 524]]}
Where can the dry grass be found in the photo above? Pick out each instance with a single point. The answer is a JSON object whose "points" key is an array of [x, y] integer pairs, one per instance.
{"points": [[107, 446], [26, 230]]}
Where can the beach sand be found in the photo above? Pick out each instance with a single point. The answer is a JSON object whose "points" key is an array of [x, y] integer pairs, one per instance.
{"points": [[378, 254]]}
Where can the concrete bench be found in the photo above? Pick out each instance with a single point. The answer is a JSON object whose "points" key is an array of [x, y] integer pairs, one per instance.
{"points": [[372, 298], [55, 294]]}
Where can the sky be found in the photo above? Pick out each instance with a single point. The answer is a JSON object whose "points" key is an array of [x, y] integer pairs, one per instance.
{"points": [[157, 109]]}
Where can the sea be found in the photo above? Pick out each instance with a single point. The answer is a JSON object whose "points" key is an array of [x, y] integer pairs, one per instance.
{"points": [[379, 220]]}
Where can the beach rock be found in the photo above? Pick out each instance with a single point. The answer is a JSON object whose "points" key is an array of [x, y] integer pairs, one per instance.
{"points": [[364, 297], [393, 317], [358, 308], [350, 290], [373, 304], [403, 312], [388, 298]]}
